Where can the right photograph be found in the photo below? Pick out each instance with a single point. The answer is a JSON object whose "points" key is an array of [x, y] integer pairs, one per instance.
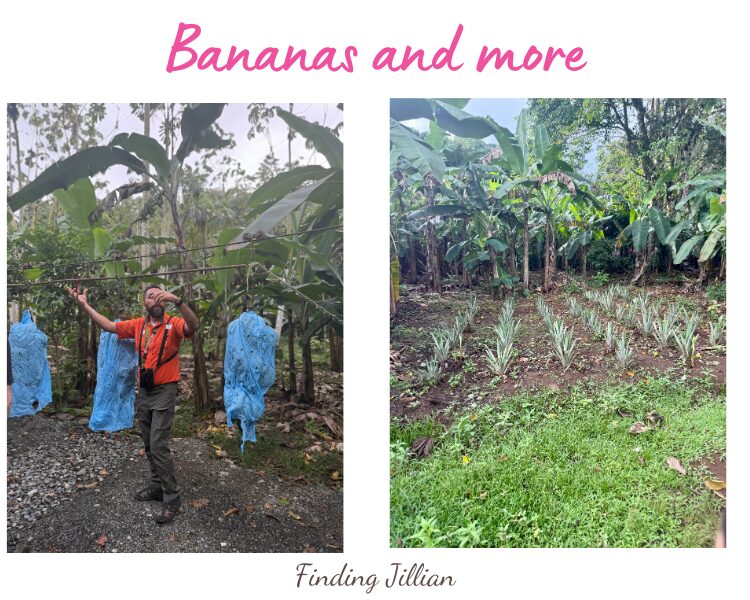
{"points": [[558, 322]]}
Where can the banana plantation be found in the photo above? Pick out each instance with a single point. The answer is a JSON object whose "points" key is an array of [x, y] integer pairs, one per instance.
{"points": [[558, 322], [112, 198]]}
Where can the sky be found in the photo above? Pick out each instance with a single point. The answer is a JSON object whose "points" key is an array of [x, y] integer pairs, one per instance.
{"points": [[505, 112], [249, 153]]}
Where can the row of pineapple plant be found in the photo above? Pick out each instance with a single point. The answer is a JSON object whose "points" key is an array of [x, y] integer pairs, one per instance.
{"points": [[623, 350], [652, 319], [562, 337], [506, 333], [446, 339]]}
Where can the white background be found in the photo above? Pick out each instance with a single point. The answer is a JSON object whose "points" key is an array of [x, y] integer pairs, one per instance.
{"points": [[80, 51]]}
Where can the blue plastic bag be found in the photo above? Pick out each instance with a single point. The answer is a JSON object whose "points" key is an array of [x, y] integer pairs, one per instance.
{"points": [[249, 370], [114, 396], [32, 384]]}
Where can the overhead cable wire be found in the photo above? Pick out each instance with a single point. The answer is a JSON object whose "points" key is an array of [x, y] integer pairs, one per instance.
{"points": [[50, 264]]}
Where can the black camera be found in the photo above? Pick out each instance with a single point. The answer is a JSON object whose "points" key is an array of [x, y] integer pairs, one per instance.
{"points": [[146, 378]]}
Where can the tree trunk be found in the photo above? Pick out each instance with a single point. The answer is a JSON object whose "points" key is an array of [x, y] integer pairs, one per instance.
{"points": [[335, 353], [92, 354], [722, 266], [495, 273], [525, 247], [512, 256], [290, 350], [58, 371], [142, 225], [584, 259], [547, 266], [308, 393], [200, 377], [19, 175], [553, 252], [433, 262], [704, 269], [641, 262], [465, 279], [412, 258]]}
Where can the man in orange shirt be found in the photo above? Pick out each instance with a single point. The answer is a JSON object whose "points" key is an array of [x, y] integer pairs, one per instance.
{"points": [[157, 340]]}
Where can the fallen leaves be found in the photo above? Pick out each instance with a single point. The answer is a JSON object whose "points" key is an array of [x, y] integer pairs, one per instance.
{"points": [[336, 476], [232, 510], [715, 485], [654, 417], [87, 486], [102, 540], [333, 426], [422, 447], [199, 503], [638, 427], [675, 464]]}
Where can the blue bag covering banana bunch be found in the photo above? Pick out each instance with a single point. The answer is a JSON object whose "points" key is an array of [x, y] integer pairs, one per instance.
{"points": [[32, 384], [114, 396], [249, 370]]}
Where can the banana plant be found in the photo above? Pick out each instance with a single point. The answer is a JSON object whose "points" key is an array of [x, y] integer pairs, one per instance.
{"points": [[647, 220], [146, 157], [585, 225], [703, 212]]}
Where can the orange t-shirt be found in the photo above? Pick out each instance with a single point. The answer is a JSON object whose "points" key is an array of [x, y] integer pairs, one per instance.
{"points": [[148, 340]]}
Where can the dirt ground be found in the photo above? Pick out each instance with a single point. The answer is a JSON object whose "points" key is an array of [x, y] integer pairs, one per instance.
{"points": [[71, 490], [467, 378]]}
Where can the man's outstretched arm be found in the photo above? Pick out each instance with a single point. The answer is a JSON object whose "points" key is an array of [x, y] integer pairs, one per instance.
{"points": [[100, 320]]}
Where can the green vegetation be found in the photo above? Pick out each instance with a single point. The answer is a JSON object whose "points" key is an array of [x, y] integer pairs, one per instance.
{"points": [[166, 202], [547, 469]]}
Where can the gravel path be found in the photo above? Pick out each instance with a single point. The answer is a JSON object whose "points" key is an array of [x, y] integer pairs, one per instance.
{"points": [[70, 490]]}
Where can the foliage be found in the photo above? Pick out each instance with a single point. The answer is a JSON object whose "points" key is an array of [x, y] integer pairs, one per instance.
{"points": [[131, 233]]}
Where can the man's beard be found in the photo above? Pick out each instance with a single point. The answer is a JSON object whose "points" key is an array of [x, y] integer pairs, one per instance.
{"points": [[157, 312]]}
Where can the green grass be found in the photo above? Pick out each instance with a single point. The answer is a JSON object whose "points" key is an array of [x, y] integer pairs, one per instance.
{"points": [[561, 470], [283, 455], [274, 452]]}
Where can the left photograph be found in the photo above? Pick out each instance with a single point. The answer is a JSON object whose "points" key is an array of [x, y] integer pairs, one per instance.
{"points": [[175, 327]]}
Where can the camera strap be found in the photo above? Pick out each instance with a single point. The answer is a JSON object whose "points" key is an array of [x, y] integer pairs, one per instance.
{"points": [[159, 361]]}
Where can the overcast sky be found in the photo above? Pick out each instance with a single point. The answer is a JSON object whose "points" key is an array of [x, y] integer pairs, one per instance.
{"points": [[505, 112]]}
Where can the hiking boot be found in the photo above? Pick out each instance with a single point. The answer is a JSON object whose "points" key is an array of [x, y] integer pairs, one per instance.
{"points": [[167, 512], [149, 494]]}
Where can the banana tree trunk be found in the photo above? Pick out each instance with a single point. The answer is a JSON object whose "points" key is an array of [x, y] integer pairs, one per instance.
{"points": [[584, 259], [290, 351], [335, 351], [433, 261], [465, 279], [704, 269], [412, 258], [308, 392], [495, 272], [526, 247], [642, 259], [547, 266], [200, 378]]}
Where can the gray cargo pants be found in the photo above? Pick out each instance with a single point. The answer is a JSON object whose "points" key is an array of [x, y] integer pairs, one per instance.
{"points": [[155, 411]]}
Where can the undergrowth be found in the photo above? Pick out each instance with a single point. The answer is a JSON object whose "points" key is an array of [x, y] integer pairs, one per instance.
{"points": [[561, 470]]}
